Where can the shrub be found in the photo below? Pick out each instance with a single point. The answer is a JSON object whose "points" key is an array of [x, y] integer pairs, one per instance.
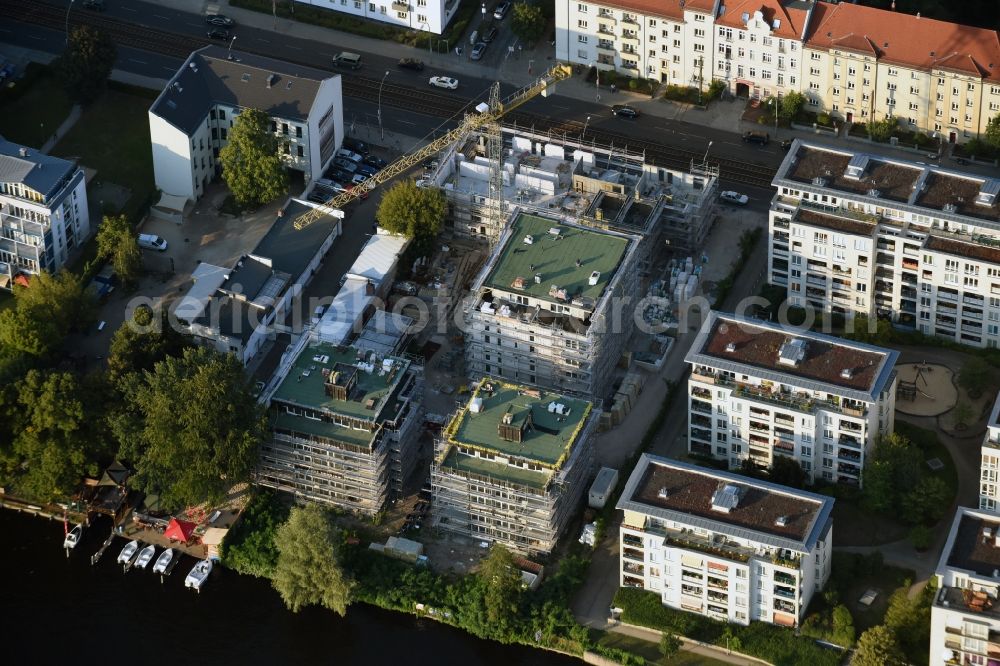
{"points": [[921, 537], [824, 119], [620, 656]]}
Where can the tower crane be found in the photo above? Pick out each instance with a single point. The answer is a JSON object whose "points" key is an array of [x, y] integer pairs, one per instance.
{"points": [[486, 114]]}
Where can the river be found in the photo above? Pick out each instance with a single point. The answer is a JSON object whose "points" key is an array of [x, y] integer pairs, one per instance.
{"points": [[59, 610]]}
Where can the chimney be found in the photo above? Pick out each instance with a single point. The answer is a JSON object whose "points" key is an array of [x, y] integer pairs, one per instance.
{"points": [[270, 79], [370, 288], [23, 151]]}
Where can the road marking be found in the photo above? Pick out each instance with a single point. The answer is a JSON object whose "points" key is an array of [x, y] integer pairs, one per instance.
{"points": [[162, 18], [556, 106], [141, 62], [263, 40], [130, 9], [35, 37], [297, 48], [406, 122]]}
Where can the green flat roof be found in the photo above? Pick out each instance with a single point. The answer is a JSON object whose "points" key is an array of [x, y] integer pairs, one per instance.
{"points": [[305, 383], [301, 424], [555, 258], [488, 468], [547, 440]]}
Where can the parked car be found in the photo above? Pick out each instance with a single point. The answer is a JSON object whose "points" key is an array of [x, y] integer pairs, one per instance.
{"points": [[786, 145], [366, 170], [151, 242], [491, 34], [96, 5], [477, 51], [219, 33], [624, 111], [349, 155], [411, 63], [359, 147], [104, 282], [220, 19], [346, 165], [376, 162], [501, 10], [359, 178], [444, 82], [757, 137], [734, 198]]}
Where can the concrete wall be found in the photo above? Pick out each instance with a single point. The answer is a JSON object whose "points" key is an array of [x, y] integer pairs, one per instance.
{"points": [[171, 158]]}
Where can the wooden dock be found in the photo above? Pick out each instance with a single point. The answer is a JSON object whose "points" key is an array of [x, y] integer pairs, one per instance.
{"points": [[96, 557]]}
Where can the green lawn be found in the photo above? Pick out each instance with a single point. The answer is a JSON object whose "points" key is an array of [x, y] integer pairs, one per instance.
{"points": [[32, 114], [112, 137], [651, 651]]}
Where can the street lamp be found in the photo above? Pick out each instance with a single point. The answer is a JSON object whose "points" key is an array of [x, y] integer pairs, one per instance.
{"points": [[704, 160], [597, 81], [229, 53], [584, 132], [380, 130], [69, 7]]}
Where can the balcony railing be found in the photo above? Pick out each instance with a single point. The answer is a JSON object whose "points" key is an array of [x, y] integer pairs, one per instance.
{"points": [[785, 592]]}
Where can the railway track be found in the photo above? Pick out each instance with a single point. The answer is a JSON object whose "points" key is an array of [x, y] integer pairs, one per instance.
{"points": [[427, 102]]}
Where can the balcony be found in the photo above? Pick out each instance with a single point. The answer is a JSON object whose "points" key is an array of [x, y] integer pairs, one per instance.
{"points": [[632, 540], [701, 392], [633, 568], [718, 583], [784, 419], [606, 47], [784, 606], [628, 581], [851, 426], [780, 223], [701, 407], [846, 440], [801, 402], [849, 468], [785, 592], [400, 6], [787, 559], [630, 38], [634, 555], [716, 547], [849, 456], [718, 598], [910, 264], [785, 579]]}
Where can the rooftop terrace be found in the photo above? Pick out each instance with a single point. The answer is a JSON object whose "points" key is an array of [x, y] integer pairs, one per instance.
{"points": [[534, 431], [579, 262], [964, 249], [536, 479], [342, 380], [972, 550], [841, 220]]}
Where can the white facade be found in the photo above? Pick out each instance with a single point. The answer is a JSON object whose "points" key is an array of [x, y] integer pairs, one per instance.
{"points": [[855, 233], [425, 15], [681, 539], [989, 470], [758, 390], [43, 212], [965, 617]]}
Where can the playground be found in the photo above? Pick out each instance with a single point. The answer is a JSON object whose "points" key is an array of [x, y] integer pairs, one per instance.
{"points": [[925, 389]]}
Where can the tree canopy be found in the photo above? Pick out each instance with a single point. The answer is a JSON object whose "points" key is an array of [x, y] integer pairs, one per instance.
{"points": [[44, 312], [787, 471], [975, 376], [881, 130], [501, 581], [892, 469], [142, 342], [190, 426], [527, 22], [308, 571], [116, 242], [878, 647], [86, 64], [415, 212], [992, 133], [251, 164]]}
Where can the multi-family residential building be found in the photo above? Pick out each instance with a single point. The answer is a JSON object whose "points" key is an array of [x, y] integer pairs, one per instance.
{"points": [[345, 428], [722, 545], [604, 186], [989, 469], [552, 305], [965, 616], [425, 15], [239, 309], [759, 389], [191, 119], [43, 212], [852, 233], [669, 41], [863, 64], [512, 466]]}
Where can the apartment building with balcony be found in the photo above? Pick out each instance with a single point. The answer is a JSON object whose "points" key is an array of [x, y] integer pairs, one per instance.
{"points": [[758, 46], [852, 232], [512, 466], [989, 469], [43, 212], [861, 64], [669, 41], [546, 308], [190, 121], [759, 389], [345, 425], [965, 615], [722, 545], [430, 16]]}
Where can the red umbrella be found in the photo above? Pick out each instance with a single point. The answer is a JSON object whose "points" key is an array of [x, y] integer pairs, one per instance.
{"points": [[179, 530]]}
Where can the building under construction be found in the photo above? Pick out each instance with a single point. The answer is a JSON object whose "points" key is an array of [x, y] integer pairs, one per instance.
{"points": [[606, 186], [345, 425], [512, 465]]}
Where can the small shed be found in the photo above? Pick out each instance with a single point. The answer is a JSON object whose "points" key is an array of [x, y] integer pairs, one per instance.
{"points": [[603, 487]]}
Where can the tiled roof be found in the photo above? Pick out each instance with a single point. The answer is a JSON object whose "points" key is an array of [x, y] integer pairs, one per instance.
{"points": [[791, 16], [906, 39]]}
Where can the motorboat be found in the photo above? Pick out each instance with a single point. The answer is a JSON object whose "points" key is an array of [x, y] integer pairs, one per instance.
{"points": [[128, 552], [198, 575], [163, 561], [145, 556], [73, 537]]}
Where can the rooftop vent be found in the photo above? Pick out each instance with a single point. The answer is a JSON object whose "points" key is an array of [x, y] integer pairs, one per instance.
{"points": [[949, 208], [558, 408], [194, 67], [726, 498], [529, 239], [781, 521], [476, 405], [245, 77], [557, 292], [663, 493], [538, 278], [518, 283], [270, 79], [846, 373], [819, 181], [22, 151], [730, 347], [792, 352], [507, 418], [555, 231], [288, 86], [874, 193], [594, 277]]}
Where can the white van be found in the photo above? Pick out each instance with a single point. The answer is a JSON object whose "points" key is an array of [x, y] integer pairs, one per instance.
{"points": [[347, 59], [151, 242]]}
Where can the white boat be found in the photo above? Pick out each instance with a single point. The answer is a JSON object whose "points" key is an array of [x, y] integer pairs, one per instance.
{"points": [[145, 556], [198, 575], [128, 552], [73, 537], [163, 561]]}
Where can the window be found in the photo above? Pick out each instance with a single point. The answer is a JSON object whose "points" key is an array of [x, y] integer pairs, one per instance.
{"points": [[582, 39], [698, 32], [893, 71], [298, 132], [699, 17], [581, 24], [300, 151], [582, 8]]}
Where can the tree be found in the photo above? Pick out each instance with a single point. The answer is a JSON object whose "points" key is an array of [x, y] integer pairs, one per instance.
{"points": [[843, 626], [669, 644], [116, 241], [927, 501], [501, 583], [992, 133], [881, 130], [58, 436], [139, 344], [44, 313], [892, 469], [86, 64], [921, 537], [878, 647], [412, 211], [190, 426], [308, 571], [527, 22], [975, 376], [791, 105], [251, 164], [961, 414], [863, 329], [787, 472]]}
